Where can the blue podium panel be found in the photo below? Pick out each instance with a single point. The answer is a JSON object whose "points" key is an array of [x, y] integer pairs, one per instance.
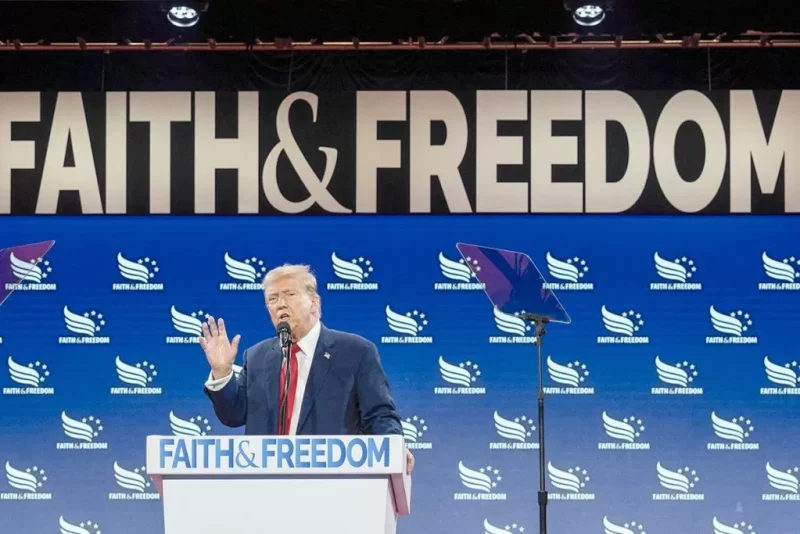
{"points": [[672, 393]]}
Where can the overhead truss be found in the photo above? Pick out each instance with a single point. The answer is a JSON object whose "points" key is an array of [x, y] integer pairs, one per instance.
{"points": [[522, 42]]}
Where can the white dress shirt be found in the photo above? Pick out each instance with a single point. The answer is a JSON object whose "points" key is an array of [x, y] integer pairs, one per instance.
{"points": [[307, 345]]}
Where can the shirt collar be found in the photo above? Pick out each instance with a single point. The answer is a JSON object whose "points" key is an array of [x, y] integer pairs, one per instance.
{"points": [[308, 344]]}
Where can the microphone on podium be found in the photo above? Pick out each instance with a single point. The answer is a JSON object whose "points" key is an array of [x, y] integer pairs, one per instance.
{"points": [[285, 336]]}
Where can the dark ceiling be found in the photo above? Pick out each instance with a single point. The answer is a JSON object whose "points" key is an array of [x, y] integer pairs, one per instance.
{"points": [[383, 20]]}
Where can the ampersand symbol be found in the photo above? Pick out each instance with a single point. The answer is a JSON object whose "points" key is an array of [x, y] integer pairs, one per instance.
{"points": [[317, 189], [243, 457]]}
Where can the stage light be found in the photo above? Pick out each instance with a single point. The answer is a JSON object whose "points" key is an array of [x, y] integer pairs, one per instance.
{"points": [[184, 13], [589, 12], [589, 15], [183, 16]]}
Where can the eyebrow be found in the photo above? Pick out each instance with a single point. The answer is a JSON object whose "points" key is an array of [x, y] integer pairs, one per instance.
{"points": [[272, 293]]}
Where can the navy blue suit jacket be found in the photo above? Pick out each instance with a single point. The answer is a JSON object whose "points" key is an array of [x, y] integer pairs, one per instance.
{"points": [[347, 392]]}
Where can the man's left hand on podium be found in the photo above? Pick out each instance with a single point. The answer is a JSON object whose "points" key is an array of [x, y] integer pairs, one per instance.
{"points": [[409, 461]]}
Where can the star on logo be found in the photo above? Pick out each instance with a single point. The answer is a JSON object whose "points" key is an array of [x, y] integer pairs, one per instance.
{"points": [[419, 424], [581, 473], [46, 269], [580, 264], [472, 264], [475, 371], [636, 424], [257, 264], [149, 368], [201, 423], [94, 422], [423, 322], [527, 423], [747, 426], [142, 470], [692, 370], [151, 264], [91, 526], [368, 268], [636, 319], [636, 526], [45, 372], [745, 319], [691, 268], [37, 471], [583, 372], [492, 471], [691, 474], [793, 260]]}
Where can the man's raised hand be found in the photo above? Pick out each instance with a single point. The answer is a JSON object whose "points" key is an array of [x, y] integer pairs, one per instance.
{"points": [[220, 352]]}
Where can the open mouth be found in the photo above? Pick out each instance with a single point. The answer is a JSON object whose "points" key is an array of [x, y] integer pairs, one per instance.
{"points": [[283, 317]]}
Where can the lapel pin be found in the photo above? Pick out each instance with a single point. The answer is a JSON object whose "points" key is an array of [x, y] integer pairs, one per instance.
{"points": [[327, 355]]}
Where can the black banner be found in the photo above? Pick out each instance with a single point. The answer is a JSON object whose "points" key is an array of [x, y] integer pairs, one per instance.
{"points": [[397, 152]]}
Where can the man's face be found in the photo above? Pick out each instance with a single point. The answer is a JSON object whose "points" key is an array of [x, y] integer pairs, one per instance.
{"points": [[287, 300]]}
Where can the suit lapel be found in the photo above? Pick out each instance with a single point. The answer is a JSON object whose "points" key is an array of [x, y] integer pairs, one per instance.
{"points": [[272, 386], [317, 374]]}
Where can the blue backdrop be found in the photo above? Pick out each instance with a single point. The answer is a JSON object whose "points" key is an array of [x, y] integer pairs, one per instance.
{"points": [[672, 395]]}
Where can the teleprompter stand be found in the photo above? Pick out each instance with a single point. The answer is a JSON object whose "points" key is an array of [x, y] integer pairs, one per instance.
{"points": [[516, 287]]}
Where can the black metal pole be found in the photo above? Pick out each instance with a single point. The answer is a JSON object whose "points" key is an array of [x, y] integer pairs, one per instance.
{"points": [[540, 332]]}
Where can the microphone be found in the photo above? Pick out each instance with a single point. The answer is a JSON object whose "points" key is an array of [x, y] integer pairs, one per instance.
{"points": [[285, 336]]}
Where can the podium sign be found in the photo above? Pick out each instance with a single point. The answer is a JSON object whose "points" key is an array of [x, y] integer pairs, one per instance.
{"points": [[302, 484]]}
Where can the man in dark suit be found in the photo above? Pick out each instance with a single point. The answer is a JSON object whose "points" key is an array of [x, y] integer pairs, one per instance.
{"points": [[338, 385]]}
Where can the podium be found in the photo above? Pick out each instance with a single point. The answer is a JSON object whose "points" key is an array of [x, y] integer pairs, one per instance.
{"points": [[273, 484]]}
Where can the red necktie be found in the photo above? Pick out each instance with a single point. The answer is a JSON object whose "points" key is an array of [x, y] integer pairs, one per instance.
{"points": [[292, 386]]}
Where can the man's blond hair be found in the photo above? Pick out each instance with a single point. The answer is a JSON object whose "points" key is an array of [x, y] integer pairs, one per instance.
{"points": [[303, 273]]}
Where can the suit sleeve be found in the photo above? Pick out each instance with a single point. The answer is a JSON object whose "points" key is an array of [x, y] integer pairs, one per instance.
{"points": [[377, 409], [230, 402]]}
